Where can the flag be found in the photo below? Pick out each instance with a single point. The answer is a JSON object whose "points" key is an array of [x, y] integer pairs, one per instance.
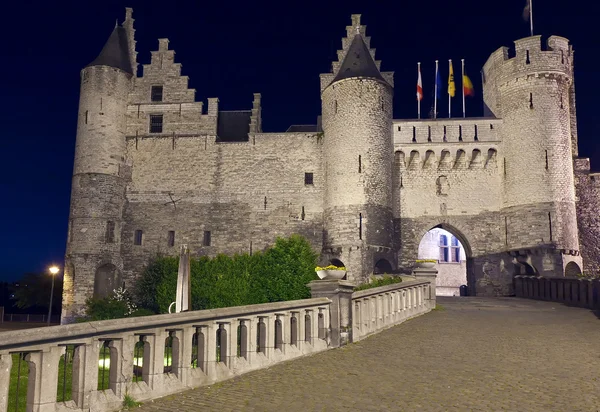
{"points": [[468, 86], [451, 86], [438, 83], [419, 87], [527, 10]]}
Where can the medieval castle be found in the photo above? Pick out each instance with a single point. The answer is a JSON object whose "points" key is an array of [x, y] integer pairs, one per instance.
{"points": [[154, 169]]}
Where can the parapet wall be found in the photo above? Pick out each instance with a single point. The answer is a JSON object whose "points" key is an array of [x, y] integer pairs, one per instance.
{"points": [[408, 132]]}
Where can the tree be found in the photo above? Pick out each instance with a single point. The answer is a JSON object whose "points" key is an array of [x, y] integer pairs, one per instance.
{"points": [[32, 292]]}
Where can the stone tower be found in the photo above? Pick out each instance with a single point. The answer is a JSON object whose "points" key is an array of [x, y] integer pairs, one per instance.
{"points": [[93, 261], [358, 153], [533, 93]]}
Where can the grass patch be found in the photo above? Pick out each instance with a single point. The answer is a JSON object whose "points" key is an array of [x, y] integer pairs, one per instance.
{"points": [[439, 307], [385, 280], [17, 388], [130, 403]]}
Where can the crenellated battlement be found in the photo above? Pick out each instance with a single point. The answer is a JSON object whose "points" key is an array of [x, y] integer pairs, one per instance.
{"points": [[530, 59], [411, 132]]}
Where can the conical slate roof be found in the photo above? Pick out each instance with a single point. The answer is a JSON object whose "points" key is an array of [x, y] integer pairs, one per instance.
{"points": [[358, 62], [115, 52]]}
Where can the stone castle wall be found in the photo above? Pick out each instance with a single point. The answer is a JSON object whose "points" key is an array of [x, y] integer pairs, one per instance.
{"points": [[246, 194]]}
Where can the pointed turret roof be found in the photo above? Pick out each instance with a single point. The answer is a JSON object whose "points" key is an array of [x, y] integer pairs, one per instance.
{"points": [[358, 62], [115, 52]]}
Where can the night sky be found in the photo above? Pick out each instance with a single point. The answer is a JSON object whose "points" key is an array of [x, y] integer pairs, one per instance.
{"points": [[230, 50]]}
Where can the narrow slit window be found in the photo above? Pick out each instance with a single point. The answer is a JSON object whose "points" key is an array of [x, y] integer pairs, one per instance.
{"points": [[110, 232], [531, 100], [265, 203], [460, 133], [476, 137], [138, 237], [414, 139], [429, 133], [550, 225], [156, 94], [527, 61], [399, 128], [207, 238], [360, 223], [171, 238], [506, 230], [302, 215], [335, 106], [86, 117], [359, 164], [156, 123], [504, 166], [308, 178]]}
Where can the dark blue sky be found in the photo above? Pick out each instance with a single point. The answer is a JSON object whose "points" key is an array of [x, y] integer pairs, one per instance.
{"points": [[230, 50]]}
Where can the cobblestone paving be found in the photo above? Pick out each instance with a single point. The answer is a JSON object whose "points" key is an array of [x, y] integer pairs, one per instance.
{"points": [[475, 354]]}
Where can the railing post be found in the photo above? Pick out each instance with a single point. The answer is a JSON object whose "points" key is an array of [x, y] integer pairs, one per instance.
{"points": [[85, 373], [5, 367], [43, 375], [429, 274], [340, 310]]}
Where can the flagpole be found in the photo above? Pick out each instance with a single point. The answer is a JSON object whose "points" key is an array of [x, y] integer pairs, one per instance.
{"points": [[418, 100], [435, 94], [463, 85], [449, 97], [531, 16]]}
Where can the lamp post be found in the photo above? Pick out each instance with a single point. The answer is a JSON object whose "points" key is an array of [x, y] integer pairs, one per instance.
{"points": [[53, 271]]}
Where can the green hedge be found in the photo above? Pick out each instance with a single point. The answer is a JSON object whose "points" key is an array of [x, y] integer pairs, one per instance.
{"points": [[385, 280], [280, 273]]}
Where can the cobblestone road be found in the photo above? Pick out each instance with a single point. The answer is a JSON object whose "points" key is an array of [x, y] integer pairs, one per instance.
{"points": [[475, 354]]}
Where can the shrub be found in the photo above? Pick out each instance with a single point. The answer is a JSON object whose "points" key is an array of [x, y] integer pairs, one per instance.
{"points": [[119, 305], [385, 280], [278, 274]]}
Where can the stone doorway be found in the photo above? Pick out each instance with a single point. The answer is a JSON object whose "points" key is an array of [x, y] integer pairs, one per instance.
{"points": [[445, 246]]}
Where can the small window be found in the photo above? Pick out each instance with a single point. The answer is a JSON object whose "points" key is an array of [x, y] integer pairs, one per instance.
{"points": [[137, 238], [206, 241], [110, 232], [449, 252], [171, 238], [308, 178], [156, 123], [156, 94]]}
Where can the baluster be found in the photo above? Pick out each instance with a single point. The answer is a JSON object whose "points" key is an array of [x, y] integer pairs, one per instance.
{"points": [[42, 379], [5, 367]]}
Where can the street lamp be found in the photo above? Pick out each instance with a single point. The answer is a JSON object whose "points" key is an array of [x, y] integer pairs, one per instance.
{"points": [[53, 271]]}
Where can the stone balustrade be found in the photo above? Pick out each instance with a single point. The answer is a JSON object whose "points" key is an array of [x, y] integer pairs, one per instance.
{"points": [[577, 292], [153, 356], [379, 308]]}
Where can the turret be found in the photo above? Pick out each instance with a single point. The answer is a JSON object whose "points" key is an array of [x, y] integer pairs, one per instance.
{"points": [[92, 263], [358, 153], [533, 92]]}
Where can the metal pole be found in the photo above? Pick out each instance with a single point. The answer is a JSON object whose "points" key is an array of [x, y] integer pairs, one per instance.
{"points": [[51, 296], [531, 16], [418, 96], [436, 91], [449, 95], [463, 86]]}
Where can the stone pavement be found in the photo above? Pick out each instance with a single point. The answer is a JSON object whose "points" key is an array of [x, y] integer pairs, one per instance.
{"points": [[474, 354]]}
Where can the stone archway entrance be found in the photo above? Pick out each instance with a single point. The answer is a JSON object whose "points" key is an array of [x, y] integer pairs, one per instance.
{"points": [[382, 266], [572, 270], [106, 280], [452, 253]]}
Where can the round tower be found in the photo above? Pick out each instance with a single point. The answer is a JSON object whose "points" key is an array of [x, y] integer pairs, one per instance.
{"points": [[358, 154], [531, 92], [92, 262]]}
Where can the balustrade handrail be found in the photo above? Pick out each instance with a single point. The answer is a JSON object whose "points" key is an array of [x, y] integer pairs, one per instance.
{"points": [[65, 333], [388, 288], [561, 278]]}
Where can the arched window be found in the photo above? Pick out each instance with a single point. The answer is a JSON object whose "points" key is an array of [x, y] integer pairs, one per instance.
{"points": [[449, 249]]}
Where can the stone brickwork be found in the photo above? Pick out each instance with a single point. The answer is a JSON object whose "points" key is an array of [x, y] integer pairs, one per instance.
{"points": [[363, 191]]}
